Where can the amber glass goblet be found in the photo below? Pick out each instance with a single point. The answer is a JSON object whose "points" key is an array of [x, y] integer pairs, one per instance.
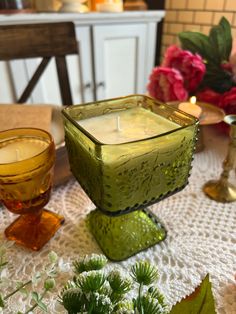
{"points": [[27, 158]]}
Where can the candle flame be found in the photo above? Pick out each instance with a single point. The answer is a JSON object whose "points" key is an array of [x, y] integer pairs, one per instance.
{"points": [[193, 100]]}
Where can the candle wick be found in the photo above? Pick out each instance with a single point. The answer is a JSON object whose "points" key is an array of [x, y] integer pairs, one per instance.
{"points": [[118, 124], [18, 157]]}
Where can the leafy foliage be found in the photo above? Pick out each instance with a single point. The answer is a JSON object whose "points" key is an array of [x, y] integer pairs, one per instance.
{"points": [[215, 49], [73, 300], [124, 307], [95, 291], [119, 285], [144, 273], [45, 279], [90, 281], [88, 263], [156, 294], [150, 305]]}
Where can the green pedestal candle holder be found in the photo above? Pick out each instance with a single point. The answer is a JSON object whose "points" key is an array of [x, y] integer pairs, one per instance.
{"points": [[124, 235], [128, 153]]}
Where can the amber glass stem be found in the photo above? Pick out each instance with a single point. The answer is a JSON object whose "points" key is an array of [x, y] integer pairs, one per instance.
{"points": [[33, 218]]}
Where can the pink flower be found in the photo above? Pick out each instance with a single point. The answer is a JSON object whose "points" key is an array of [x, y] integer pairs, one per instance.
{"points": [[228, 67], [166, 84], [228, 101], [190, 65], [208, 95]]}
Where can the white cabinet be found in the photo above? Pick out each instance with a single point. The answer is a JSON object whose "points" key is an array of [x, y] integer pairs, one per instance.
{"points": [[116, 55], [119, 59]]}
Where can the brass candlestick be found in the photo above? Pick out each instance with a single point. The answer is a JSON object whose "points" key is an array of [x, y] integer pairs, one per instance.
{"points": [[222, 190]]}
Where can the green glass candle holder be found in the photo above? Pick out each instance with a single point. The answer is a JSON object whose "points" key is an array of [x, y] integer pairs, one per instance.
{"points": [[128, 153]]}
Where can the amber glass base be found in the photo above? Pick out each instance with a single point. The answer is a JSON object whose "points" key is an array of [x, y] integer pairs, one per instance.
{"points": [[34, 231], [123, 236]]}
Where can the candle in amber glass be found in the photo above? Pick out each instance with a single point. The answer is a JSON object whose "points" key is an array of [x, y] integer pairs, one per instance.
{"points": [[27, 158]]}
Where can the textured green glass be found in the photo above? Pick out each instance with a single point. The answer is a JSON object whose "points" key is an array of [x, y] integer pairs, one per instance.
{"points": [[121, 178], [123, 236]]}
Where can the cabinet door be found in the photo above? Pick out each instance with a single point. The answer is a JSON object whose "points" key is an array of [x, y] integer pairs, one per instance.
{"points": [[119, 59], [83, 36], [47, 89]]}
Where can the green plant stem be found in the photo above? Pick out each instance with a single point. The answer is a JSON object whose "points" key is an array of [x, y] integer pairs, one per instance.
{"points": [[140, 308], [13, 292], [36, 304], [90, 310]]}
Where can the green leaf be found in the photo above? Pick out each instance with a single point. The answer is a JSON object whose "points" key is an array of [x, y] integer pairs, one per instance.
{"points": [[119, 284], [35, 296], [90, 281], [42, 306], [197, 43], [52, 256], [2, 301], [73, 300], [217, 42], [221, 40], [49, 284], [88, 263], [199, 302], [144, 273], [220, 81], [3, 264], [150, 305], [228, 36], [156, 294]]}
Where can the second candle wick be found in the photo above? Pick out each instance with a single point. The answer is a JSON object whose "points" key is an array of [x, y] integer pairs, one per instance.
{"points": [[118, 124]]}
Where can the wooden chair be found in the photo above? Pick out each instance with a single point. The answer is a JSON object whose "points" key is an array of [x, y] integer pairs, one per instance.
{"points": [[45, 41]]}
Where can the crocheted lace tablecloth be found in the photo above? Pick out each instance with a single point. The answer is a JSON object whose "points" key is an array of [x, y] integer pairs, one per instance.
{"points": [[201, 235]]}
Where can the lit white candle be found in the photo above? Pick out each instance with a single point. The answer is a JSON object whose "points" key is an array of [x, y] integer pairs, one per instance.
{"points": [[21, 148], [127, 126], [191, 107]]}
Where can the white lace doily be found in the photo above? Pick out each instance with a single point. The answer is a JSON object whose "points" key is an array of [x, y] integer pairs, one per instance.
{"points": [[201, 235]]}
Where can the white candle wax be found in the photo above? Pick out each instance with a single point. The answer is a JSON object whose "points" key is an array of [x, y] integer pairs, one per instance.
{"points": [[134, 124], [21, 148], [191, 107]]}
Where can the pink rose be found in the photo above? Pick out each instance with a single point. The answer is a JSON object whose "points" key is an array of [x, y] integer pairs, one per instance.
{"points": [[190, 65], [226, 66], [208, 95], [228, 101], [171, 54], [166, 84]]}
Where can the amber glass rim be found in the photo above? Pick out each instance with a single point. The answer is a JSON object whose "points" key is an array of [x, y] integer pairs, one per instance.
{"points": [[65, 111], [13, 133]]}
